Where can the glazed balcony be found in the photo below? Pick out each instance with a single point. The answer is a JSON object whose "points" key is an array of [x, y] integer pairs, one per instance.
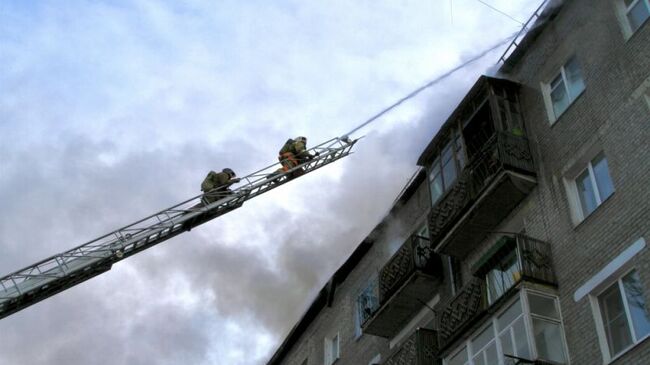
{"points": [[409, 279], [510, 261], [498, 177], [421, 348]]}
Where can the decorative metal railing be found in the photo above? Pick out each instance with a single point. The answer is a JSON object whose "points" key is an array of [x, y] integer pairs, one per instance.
{"points": [[535, 259], [421, 348], [533, 264], [501, 151], [459, 312], [415, 254]]}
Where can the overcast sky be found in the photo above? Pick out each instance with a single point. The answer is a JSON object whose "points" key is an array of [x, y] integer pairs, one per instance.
{"points": [[112, 110]]}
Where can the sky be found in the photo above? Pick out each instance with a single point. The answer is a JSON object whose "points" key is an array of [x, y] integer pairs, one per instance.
{"points": [[113, 110]]}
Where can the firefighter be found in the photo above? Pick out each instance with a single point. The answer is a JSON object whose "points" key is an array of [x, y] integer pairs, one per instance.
{"points": [[217, 185], [293, 153]]}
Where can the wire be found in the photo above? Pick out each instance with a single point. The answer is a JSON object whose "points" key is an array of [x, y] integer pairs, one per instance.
{"points": [[429, 84], [500, 12], [451, 11]]}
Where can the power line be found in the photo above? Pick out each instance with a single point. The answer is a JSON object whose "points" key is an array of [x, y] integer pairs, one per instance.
{"points": [[500, 12], [430, 83]]}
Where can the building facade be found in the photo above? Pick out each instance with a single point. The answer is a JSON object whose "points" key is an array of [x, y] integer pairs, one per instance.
{"points": [[523, 239]]}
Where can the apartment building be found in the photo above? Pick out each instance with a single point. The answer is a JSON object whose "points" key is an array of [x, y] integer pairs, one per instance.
{"points": [[523, 239]]}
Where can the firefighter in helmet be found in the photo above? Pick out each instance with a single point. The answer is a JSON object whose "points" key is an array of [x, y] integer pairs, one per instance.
{"points": [[293, 153], [217, 184]]}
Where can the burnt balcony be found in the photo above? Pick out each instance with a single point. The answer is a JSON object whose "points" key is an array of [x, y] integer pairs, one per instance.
{"points": [[499, 176], [409, 279], [421, 348], [511, 260]]}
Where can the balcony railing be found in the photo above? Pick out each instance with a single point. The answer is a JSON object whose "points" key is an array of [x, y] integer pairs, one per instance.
{"points": [[535, 258], [532, 264], [466, 306], [501, 171], [421, 348], [415, 254], [409, 278]]}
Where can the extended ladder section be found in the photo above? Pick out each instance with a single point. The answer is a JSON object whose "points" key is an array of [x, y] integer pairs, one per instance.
{"points": [[528, 26], [32, 284]]}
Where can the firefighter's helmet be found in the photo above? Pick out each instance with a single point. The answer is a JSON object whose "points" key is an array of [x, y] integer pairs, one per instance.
{"points": [[229, 171]]}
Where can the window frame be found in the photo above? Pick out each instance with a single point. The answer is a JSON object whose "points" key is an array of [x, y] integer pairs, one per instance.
{"points": [[594, 297], [372, 284], [456, 143], [575, 200], [329, 347], [623, 10], [547, 90], [527, 318]]}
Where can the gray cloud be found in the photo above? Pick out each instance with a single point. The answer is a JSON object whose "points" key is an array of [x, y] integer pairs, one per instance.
{"points": [[110, 112]]}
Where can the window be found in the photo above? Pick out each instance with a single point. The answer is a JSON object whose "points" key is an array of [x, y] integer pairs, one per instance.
{"points": [[623, 314], [503, 276], [484, 348], [635, 13], [367, 303], [512, 332], [593, 185], [331, 349], [446, 167], [547, 328], [529, 328], [564, 89]]}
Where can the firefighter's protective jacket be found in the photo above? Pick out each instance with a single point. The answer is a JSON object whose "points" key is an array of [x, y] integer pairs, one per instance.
{"points": [[215, 180]]}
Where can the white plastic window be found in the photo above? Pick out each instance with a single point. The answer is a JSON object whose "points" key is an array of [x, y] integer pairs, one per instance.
{"points": [[564, 88], [547, 328], [512, 335], [525, 332], [594, 185], [624, 314], [331, 349]]}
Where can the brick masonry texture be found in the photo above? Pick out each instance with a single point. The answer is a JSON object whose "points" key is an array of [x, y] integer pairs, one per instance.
{"points": [[611, 115]]}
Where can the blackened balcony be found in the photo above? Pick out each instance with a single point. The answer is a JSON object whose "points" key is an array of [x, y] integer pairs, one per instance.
{"points": [[421, 348], [409, 279], [511, 260], [499, 177]]}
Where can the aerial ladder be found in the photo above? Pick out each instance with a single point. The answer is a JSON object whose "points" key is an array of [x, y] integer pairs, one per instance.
{"points": [[57, 273]]}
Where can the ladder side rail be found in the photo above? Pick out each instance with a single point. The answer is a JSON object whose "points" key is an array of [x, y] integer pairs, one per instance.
{"points": [[133, 229], [522, 32], [82, 264], [102, 249]]}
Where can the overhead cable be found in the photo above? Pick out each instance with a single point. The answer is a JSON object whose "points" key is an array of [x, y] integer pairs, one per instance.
{"points": [[501, 12]]}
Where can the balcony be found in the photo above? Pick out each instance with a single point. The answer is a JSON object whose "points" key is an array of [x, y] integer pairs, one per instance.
{"points": [[467, 306], [409, 279], [421, 348], [499, 177], [511, 260]]}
